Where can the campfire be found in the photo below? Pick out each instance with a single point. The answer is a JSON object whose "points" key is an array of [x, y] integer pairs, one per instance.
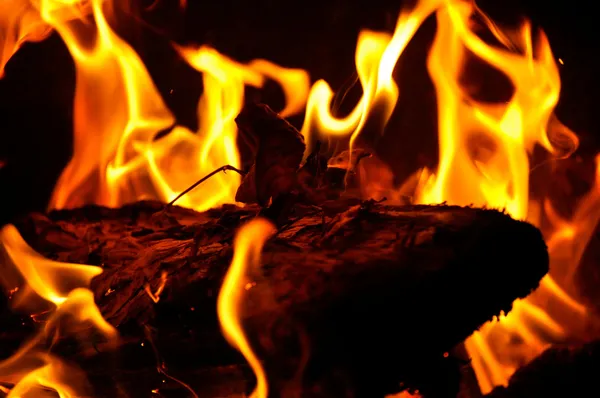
{"points": [[274, 251]]}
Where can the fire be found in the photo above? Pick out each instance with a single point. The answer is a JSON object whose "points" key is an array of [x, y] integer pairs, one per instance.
{"points": [[376, 57], [550, 310], [19, 22], [51, 280], [487, 144], [484, 156], [248, 245], [117, 109], [66, 287], [484, 147], [119, 112], [52, 375], [224, 82]]}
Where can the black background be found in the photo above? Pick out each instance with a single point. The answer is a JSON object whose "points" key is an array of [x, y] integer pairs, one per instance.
{"points": [[36, 95]]}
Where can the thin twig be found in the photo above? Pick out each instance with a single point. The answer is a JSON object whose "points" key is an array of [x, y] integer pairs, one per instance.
{"points": [[224, 169]]}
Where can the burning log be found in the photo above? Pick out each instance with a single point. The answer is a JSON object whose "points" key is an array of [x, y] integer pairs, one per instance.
{"points": [[361, 298], [560, 371]]}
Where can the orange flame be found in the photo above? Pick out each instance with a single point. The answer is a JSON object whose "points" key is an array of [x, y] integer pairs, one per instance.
{"points": [[117, 108], [484, 161], [376, 56], [295, 84], [550, 313], [52, 374], [248, 245], [119, 112], [66, 286], [497, 166], [19, 22], [484, 152], [51, 280]]}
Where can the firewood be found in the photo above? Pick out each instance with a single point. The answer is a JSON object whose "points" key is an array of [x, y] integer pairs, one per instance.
{"points": [[560, 371], [374, 294]]}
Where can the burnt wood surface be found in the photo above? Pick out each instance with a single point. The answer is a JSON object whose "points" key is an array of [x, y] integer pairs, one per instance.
{"points": [[374, 294], [560, 371]]}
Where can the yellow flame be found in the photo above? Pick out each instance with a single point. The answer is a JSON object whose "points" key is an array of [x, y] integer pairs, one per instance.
{"points": [[51, 280], [248, 245], [31, 368], [52, 375], [119, 112], [482, 143], [294, 82], [569, 238], [224, 82], [116, 105], [376, 56], [66, 286], [484, 149], [19, 22]]}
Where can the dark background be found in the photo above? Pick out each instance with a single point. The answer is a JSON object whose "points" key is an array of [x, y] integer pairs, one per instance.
{"points": [[36, 95]]}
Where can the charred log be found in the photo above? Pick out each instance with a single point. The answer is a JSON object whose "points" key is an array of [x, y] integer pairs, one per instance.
{"points": [[374, 294], [560, 371]]}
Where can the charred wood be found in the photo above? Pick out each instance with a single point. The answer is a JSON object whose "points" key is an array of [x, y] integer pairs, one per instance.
{"points": [[560, 371], [360, 298]]}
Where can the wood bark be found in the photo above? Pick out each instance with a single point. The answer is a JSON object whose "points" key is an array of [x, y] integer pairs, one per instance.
{"points": [[351, 302]]}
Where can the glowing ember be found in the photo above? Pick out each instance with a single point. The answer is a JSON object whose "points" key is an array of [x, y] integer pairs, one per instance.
{"points": [[248, 246], [155, 296]]}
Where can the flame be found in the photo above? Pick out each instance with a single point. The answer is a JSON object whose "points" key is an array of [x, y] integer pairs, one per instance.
{"points": [[496, 167], [295, 84], [581, 226], [117, 109], [224, 82], [376, 56], [550, 311], [484, 149], [484, 158], [19, 22], [248, 245], [119, 112], [51, 280], [66, 286], [52, 375]]}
